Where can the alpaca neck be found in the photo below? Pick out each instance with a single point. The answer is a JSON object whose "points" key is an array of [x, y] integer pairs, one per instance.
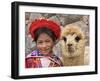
{"points": [[73, 61]]}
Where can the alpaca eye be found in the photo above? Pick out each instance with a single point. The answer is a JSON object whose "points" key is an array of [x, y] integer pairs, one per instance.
{"points": [[65, 39], [77, 38]]}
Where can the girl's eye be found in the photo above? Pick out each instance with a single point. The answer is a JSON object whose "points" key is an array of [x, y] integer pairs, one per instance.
{"points": [[65, 39], [77, 39], [47, 41], [39, 42]]}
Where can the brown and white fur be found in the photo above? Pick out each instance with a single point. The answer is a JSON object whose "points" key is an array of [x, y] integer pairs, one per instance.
{"points": [[72, 45]]}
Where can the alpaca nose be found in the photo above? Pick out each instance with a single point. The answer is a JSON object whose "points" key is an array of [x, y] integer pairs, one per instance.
{"points": [[69, 45]]}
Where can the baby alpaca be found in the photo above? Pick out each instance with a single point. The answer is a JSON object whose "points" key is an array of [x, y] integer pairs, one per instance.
{"points": [[72, 46]]}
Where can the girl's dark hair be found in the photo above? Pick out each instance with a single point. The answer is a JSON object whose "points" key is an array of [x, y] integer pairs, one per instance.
{"points": [[44, 30]]}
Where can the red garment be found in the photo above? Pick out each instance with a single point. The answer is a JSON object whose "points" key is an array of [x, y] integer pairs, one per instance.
{"points": [[36, 60]]}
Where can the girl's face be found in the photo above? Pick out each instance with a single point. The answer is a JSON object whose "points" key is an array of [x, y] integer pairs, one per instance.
{"points": [[45, 44]]}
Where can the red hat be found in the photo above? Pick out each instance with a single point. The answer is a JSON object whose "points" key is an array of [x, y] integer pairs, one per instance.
{"points": [[47, 23]]}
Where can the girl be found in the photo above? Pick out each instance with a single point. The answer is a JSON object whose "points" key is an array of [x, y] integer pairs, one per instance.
{"points": [[45, 34]]}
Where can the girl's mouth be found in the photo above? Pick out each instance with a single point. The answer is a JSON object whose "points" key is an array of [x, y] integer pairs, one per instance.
{"points": [[46, 51]]}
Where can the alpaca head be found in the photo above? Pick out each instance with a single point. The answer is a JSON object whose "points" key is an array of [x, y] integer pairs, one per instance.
{"points": [[72, 41]]}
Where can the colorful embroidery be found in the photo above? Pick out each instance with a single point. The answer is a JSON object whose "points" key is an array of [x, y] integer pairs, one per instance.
{"points": [[35, 60]]}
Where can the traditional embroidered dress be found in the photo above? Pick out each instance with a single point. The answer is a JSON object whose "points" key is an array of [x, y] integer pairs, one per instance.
{"points": [[38, 60]]}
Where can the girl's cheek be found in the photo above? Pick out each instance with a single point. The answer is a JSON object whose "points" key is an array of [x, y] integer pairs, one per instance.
{"points": [[39, 46], [47, 45]]}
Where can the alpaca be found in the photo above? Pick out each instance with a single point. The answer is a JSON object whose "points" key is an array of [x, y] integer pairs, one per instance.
{"points": [[72, 45]]}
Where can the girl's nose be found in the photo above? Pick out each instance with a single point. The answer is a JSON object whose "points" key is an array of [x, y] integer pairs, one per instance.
{"points": [[44, 45]]}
